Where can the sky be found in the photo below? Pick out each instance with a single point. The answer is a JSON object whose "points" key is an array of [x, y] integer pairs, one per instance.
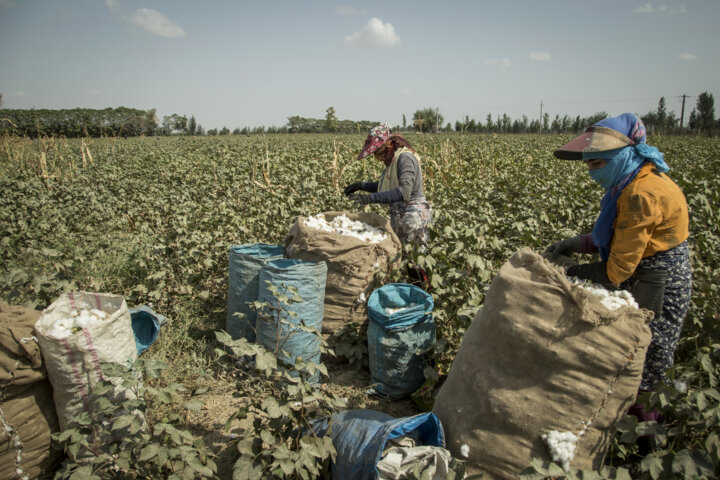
{"points": [[240, 63]]}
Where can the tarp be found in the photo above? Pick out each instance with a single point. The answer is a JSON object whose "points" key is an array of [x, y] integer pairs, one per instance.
{"points": [[360, 437], [401, 328]]}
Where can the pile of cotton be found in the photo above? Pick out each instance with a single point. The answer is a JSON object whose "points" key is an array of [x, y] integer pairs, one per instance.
{"points": [[562, 446], [78, 319], [612, 299], [342, 225]]}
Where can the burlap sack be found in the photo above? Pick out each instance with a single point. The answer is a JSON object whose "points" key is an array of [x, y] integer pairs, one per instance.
{"points": [[20, 358], [27, 413], [74, 363], [542, 355], [28, 421], [352, 264]]}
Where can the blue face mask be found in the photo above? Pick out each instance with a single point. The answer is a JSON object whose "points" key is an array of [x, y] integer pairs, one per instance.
{"points": [[604, 176], [619, 165]]}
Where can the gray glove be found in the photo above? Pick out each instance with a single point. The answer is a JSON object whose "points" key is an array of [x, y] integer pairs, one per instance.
{"points": [[595, 272], [563, 247]]}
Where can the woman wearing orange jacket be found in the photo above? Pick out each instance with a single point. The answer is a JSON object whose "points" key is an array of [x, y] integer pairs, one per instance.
{"points": [[641, 233]]}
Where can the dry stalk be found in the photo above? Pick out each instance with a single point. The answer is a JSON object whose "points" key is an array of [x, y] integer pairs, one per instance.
{"points": [[82, 151], [87, 150], [266, 166]]}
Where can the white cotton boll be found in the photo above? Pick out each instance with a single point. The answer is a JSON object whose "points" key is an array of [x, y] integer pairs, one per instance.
{"points": [[390, 310], [465, 450], [84, 319], [342, 225], [60, 333], [611, 299], [562, 446], [680, 386], [98, 313]]}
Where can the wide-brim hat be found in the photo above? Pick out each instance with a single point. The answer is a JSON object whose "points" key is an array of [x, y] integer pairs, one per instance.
{"points": [[594, 140], [378, 135]]}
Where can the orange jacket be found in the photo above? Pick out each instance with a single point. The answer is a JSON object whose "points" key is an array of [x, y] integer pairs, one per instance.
{"points": [[652, 217]]}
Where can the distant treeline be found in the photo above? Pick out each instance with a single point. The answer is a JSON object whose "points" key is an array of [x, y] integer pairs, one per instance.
{"points": [[117, 122], [78, 122]]}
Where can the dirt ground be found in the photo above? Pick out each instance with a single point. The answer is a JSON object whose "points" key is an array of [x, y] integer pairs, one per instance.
{"points": [[222, 400]]}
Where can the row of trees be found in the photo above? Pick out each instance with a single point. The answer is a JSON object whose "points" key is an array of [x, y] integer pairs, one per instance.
{"points": [[701, 121], [123, 121], [78, 122]]}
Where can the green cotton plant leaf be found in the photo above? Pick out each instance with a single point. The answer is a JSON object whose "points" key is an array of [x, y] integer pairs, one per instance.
{"points": [[123, 421], [712, 445], [148, 452], [271, 407], [84, 472], [693, 464], [654, 465], [267, 438]]}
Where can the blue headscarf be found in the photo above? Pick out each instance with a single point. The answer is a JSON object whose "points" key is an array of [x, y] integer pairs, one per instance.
{"points": [[622, 166]]}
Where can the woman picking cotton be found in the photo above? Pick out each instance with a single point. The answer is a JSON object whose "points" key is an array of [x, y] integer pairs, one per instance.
{"points": [[641, 233], [400, 186]]}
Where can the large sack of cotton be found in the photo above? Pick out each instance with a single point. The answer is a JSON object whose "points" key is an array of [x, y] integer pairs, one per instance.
{"points": [[27, 412], [77, 334], [355, 246], [544, 355]]}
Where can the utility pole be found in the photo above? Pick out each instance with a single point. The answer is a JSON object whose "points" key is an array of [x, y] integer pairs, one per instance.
{"points": [[682, 112], [436, 119], [541, 120]]}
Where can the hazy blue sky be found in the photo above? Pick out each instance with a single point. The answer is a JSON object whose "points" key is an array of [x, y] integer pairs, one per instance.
{"points": [[239, 63]]}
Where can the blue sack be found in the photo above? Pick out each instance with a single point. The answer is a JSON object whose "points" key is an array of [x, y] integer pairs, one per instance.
{"points": [[292, 342], [244, 264], [396, 340], [360, 436], [146, 326]]}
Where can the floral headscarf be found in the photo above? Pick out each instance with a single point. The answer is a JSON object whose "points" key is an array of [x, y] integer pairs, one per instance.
{"points": [[378, 135]]}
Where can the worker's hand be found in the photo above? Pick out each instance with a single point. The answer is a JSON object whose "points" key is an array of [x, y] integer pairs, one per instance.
{"points": [[352, 188], [360, 198], [595, 272], [563, 247]]}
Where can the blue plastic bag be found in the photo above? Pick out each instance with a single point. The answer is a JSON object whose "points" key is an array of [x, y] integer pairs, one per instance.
{"points": [[400, 329], [146, 326], [244, 265], [277, 329], [360, 436]]}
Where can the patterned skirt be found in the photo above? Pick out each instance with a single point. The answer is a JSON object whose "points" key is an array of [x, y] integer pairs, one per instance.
{"points": [[666, 329], [409, 221]]}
